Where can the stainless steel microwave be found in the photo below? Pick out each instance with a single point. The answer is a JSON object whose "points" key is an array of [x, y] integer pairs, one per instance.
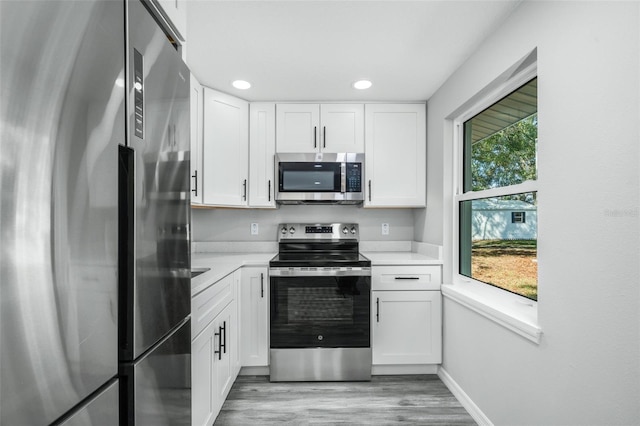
{"points": [[319, 178]]}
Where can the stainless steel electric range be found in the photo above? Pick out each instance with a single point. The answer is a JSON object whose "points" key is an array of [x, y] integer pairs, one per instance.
{"points": [[320, 304]]}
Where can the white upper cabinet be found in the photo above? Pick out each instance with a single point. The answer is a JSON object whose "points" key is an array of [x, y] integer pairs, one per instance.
{"points": [[226, 150], [196, 140], [319, 128], [342, 127], [396, 159], [262, 149]]}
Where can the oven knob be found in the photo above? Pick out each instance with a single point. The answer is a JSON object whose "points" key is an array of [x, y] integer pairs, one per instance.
{"points": [[292, 230], [283, 231], [345, 230], [353, 230]]}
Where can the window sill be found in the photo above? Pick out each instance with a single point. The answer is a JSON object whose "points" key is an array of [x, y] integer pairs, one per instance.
{"points": [[513, 312]]}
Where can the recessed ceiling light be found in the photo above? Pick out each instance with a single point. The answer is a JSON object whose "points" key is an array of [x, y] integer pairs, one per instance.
{"points": [[241, 84], [362, 84]]}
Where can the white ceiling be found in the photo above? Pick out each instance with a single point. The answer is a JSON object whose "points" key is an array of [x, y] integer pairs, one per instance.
{"points": [[301, 50]]}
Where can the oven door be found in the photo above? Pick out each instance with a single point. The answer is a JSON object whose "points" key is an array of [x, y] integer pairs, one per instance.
{"points": [[320, 310]]}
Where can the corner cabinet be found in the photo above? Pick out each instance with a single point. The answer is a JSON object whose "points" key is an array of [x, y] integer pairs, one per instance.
{"points": [[197, 95], [226, 150], [406, 316], [319, 128], [396, 155], [262, 149]]}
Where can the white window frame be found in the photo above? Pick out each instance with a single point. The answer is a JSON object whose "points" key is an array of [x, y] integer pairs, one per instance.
{"points": [[510, 310]]}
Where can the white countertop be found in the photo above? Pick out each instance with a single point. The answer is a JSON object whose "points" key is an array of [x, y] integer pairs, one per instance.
{"points": [[222, 264], [400, 258]]}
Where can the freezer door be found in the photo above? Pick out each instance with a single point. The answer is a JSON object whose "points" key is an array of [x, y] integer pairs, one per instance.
{"points": [[62, 118], [156, 277], [156, 389], [101, 410]]}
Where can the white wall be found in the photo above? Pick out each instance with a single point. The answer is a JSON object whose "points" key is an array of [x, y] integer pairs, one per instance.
{"points": [[586, 370], [234, 224]]}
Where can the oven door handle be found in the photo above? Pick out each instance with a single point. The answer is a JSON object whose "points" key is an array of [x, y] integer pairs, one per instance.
{"points": [[320, 272]]}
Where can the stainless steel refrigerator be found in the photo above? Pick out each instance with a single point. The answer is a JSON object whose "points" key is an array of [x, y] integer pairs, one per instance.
{"points": [[62, 117], [94, 265], [155, 264]]}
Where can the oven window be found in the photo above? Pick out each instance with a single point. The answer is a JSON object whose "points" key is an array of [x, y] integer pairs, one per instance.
{"points": [[325, 312]]}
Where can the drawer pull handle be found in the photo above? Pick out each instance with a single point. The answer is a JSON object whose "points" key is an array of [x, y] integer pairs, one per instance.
{"points": [[407, 278]]}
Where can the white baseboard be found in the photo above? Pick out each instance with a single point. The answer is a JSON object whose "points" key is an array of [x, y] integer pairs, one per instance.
{"points": [[464, 399]]}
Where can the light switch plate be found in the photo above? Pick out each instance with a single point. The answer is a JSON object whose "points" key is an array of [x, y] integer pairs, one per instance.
{"points": [[254, 229], [385, 229]]}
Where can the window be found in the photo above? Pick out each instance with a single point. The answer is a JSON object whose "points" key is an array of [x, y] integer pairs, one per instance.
{"points": [[518, 217], [497, 197]]}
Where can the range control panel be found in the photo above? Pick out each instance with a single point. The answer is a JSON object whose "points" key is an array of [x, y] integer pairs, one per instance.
{"points": [[308, 231]]}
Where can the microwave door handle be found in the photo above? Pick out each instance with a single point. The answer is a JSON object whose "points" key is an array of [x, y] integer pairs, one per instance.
{"points": [[343, 177]]}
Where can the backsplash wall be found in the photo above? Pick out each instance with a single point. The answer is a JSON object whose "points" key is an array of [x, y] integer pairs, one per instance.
{"points": [[235, 224]]}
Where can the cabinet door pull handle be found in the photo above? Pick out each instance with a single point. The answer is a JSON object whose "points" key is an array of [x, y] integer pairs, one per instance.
{"points": [[194, 176], [244, 191], [315, 137], [324, 137], [369, 189], [407, 278], [377, 309], [224, 331], [261, 284], [219, 351], [269, 190]]}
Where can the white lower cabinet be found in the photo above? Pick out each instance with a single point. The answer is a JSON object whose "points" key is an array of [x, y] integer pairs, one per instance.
{"points": [[254, 317], [213, 349], [406, 327], [406, 316]]}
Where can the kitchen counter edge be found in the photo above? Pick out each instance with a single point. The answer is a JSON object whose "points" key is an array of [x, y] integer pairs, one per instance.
{"points": [[379, 258], [221, 265]]}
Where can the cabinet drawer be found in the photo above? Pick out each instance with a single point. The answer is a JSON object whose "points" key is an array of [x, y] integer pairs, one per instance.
{"points": [[411, 277], [208, 304]]}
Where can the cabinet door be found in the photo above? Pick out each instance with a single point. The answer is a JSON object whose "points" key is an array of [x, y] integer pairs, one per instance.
{"points": [[226, 149], [254, 319], [395, 148], [204, 407], [406, 327], [196, 141], [342, 128], [262, 148], [236, 357], [222, 361], [297, 127]]}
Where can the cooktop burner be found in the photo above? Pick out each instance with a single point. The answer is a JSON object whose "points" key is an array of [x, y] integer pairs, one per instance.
{"points": [[319, 245], [319, 259]]}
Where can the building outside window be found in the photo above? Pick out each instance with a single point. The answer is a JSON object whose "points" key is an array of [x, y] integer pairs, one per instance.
{"points": [[497, 196]]}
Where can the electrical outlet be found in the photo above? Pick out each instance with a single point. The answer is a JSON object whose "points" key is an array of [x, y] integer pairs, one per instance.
{"points": [[254, 229], [385, 229]]}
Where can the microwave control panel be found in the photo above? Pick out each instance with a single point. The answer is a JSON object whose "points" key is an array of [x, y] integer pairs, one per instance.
{"points": [[354, 177]]}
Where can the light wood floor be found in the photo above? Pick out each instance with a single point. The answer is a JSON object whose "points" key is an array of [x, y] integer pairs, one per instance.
{"points": [[386, 400]]}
